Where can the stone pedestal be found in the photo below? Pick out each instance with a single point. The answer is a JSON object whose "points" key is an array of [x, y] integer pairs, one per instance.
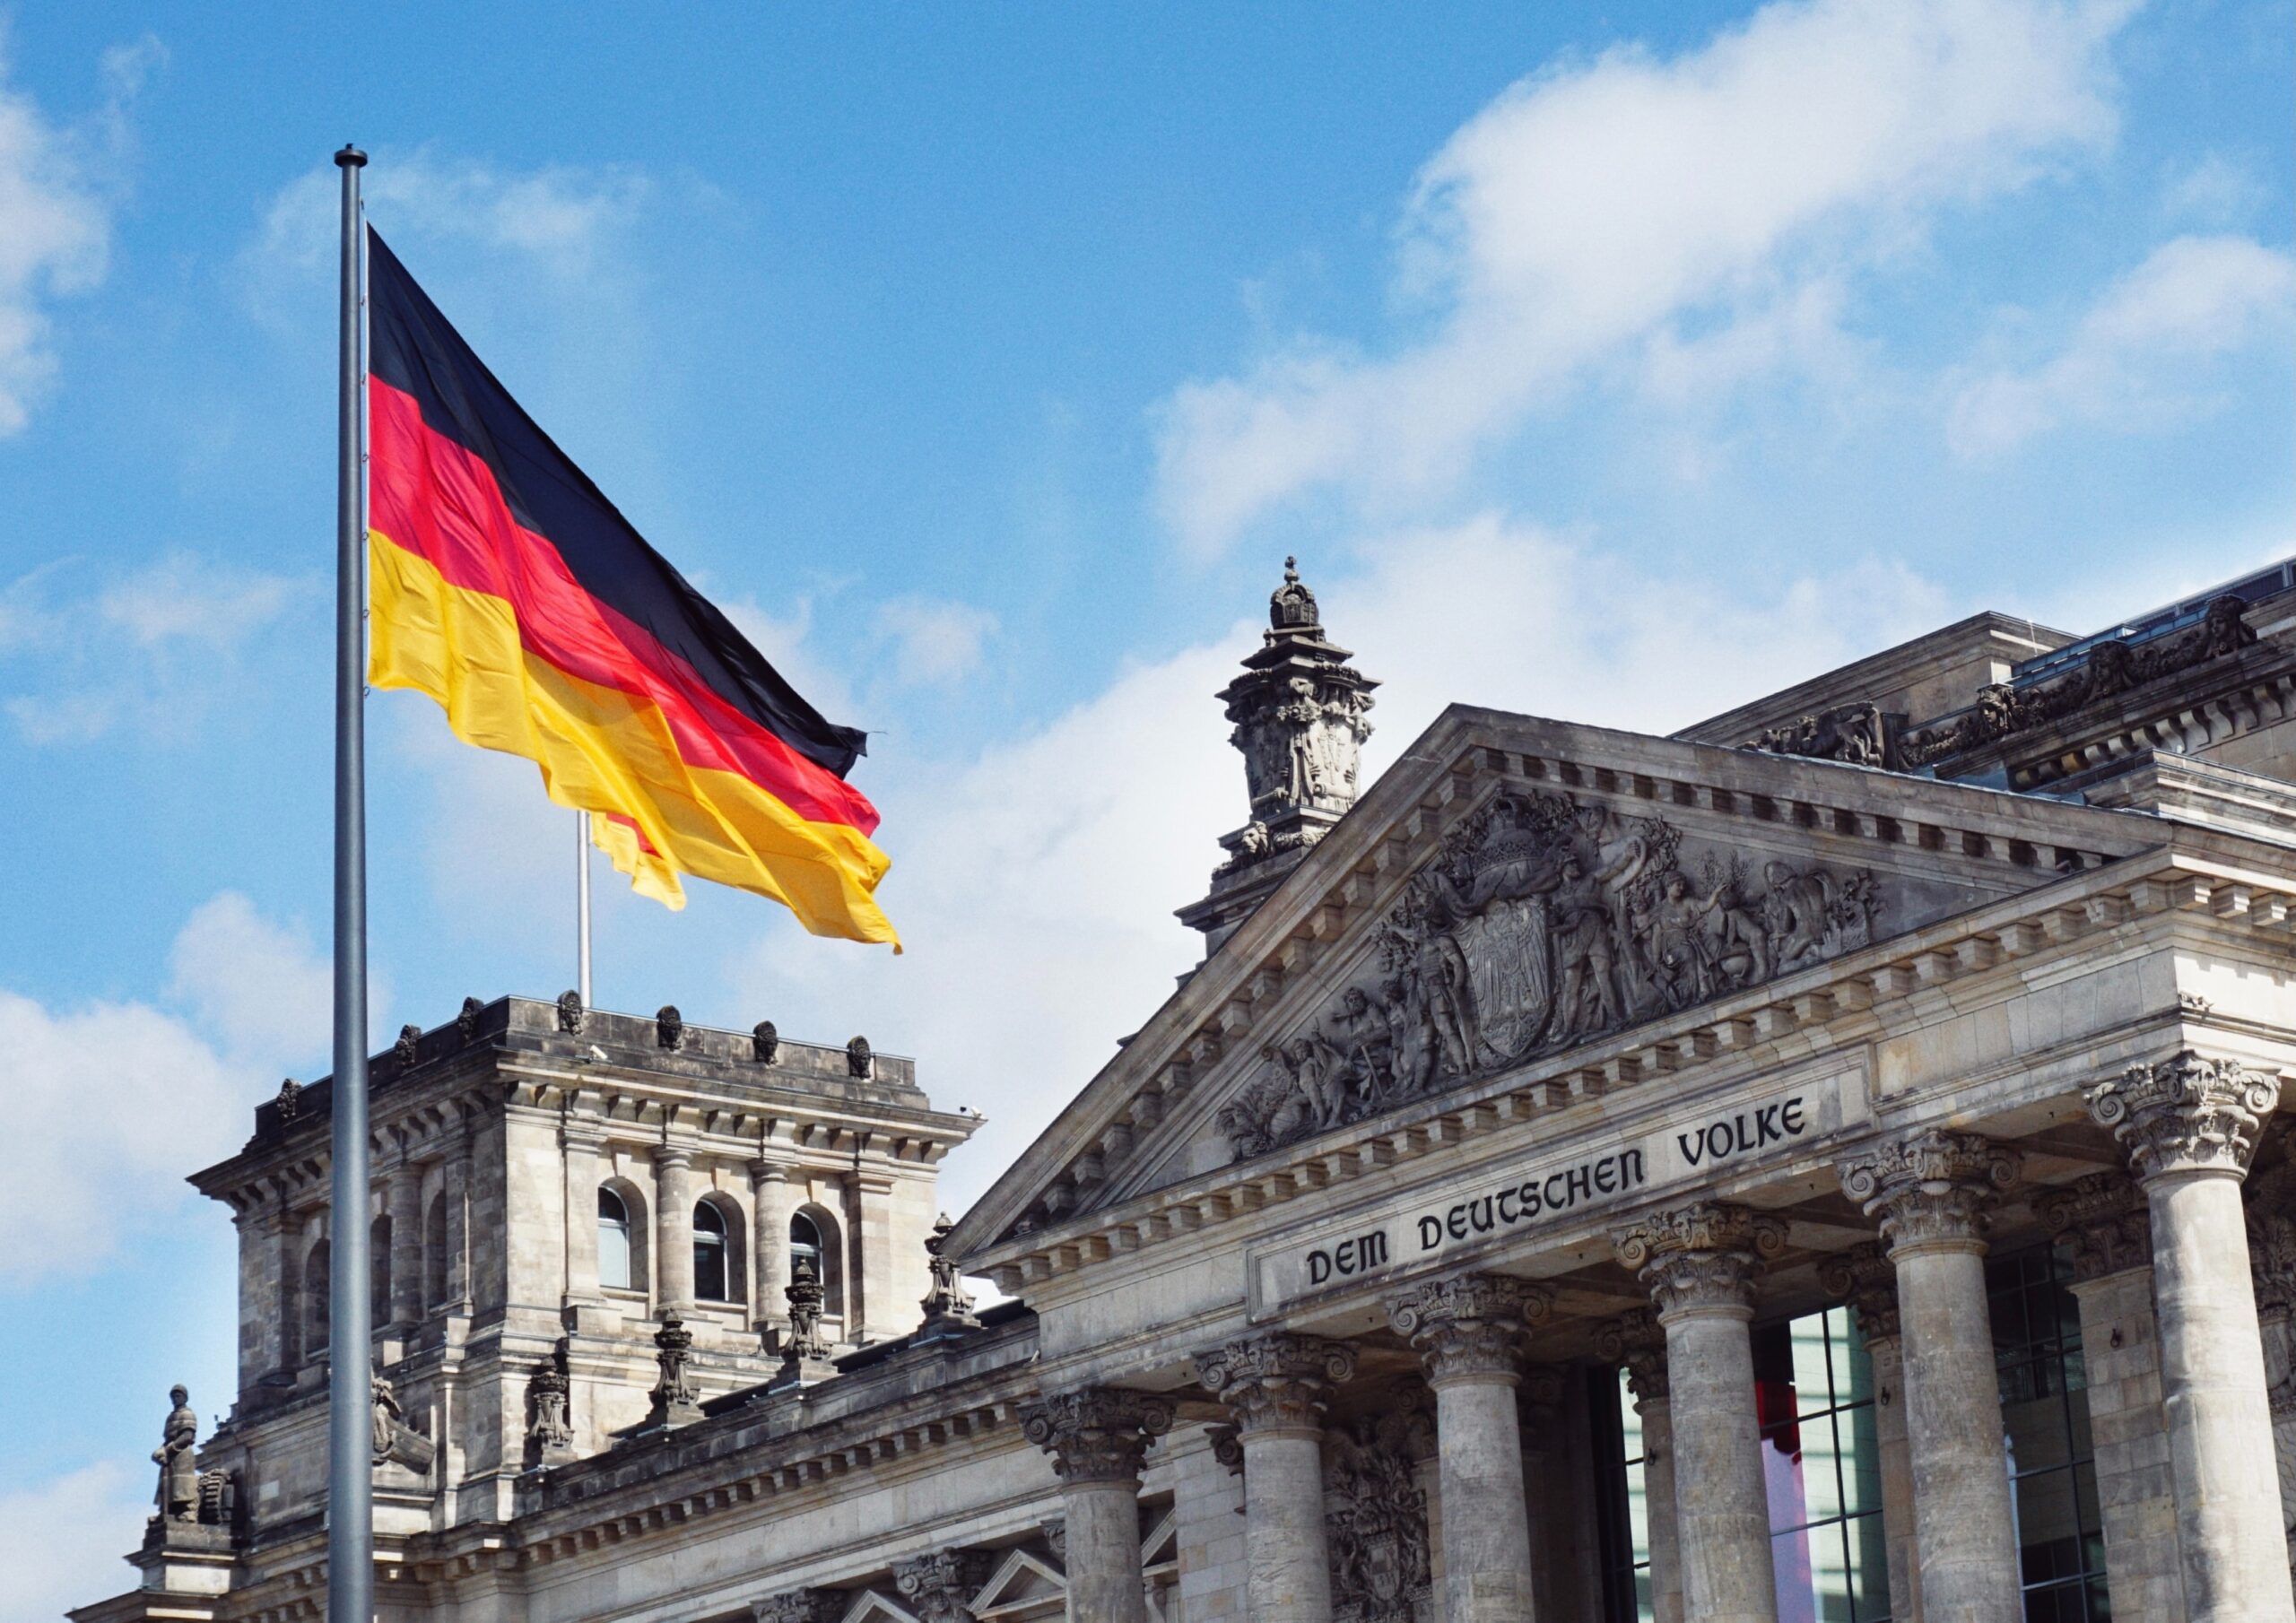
{"points": [[1932, 1192], [1699, 1263], [2188, 1126], [2103, 1221], [1277, 1387], [1097, 1438], [1865, 1278], [1469, 1335], [1636, 1341]]}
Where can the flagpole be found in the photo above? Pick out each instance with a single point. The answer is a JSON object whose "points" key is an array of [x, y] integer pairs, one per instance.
{"points": [[582, 904], [349, 1499]]}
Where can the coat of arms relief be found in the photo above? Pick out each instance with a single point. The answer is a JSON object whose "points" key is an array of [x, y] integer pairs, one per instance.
{"points": [[1543, 922]]}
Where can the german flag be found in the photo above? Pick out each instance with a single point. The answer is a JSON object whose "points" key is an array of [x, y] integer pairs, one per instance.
{"points": [[504, 585]]}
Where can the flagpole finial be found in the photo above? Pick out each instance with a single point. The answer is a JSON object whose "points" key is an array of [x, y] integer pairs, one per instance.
{"points": [[350, 158]]}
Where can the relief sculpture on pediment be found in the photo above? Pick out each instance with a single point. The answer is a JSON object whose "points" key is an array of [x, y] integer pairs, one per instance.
{"points": [[1541, 923]]}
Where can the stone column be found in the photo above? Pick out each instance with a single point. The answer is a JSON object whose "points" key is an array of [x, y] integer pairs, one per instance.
{"points": [[1096, 1438], [770, 1207], [1469, 1334], [2102, 1219], [673, 1229], [939, 1587], [1865, 1278], [1699, 1263], [1636, 1341], [458, 1196], [1277, 1387], [403, 1200], [581, 1141], [1933, 1191], [2190, 1127]]}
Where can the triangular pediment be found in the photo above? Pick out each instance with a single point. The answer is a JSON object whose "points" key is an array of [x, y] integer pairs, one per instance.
{"points": [[1513, 890]]}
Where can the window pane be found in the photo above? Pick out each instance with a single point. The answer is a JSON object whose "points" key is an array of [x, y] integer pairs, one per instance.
{"points": [[614, 1244]]}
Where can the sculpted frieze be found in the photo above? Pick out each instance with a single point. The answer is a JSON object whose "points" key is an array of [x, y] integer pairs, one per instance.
{"points": [[1543, 922]]}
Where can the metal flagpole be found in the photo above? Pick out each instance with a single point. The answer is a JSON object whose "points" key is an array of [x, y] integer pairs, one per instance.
{"points": [[350, 1497], [582, 904]]}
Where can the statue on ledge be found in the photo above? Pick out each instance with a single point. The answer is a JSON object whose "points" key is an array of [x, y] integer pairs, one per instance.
{"points": [[178, 1492]]}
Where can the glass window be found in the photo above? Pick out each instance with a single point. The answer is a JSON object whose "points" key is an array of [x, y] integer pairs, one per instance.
{"points": [[2045, 1411], [614, 1241], [805, 1241], [316, 1283], [1813, 1396], [709, 1254]]}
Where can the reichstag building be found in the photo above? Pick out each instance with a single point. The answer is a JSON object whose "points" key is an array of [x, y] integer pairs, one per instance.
{"points": [[1823, 1164]]}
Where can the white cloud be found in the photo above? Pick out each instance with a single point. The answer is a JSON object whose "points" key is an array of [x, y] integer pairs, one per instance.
{"points": [[1034, 884], [61, 1539], [54, 225], [1598, 208], [93, 659], [2216, 191], [2137, 357], [932, 641], [110, 1104]]}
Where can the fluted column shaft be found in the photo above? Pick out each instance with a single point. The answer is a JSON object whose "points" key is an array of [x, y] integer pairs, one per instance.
{"points": [[769, 1242], [1699, 1263], [1636, 1341], [2190, 1127], [1932, 1192], [403, 1200], [1469, 1335], [1097, 1437], [1277, 1387], [674, 1229], [1865, 1278]]}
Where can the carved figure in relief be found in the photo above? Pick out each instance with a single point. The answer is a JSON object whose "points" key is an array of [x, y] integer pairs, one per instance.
{"points": [[1541, 924], [1375, 1520]]}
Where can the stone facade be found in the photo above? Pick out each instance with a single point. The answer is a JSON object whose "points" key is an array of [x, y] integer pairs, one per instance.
{"points": [[1540, 1095]]}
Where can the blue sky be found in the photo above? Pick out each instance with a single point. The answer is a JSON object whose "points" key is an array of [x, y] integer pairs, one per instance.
{"points": [[1611, 362]]}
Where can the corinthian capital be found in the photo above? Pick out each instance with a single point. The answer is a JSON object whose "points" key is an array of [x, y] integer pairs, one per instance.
{"points": [[938, 1587], [2189, 1114], [1635, 1340], [1472, 1327], [801, 1606], [1702, 1256], [1280, 1382], [1098, 1434], [1865, 1279], [1931, 1189], [2103, 1219]]}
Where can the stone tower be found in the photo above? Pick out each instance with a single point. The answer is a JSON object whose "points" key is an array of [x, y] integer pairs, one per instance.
{"points": [[1298, 709]]}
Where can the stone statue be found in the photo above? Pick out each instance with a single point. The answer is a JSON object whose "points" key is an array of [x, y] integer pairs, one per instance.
{"points": [[466, 1022], [948, 1305], [669, 1026], [290, 1100], [403, 1051], [178, 1492], [550, 1430], [858, 1057], [1540, 923], [805, 1296], [569, 1012], [674, 1401], [765, 1042], [386, 1415]]}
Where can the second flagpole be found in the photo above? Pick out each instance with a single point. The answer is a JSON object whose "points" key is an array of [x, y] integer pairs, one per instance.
{"points": [[582, 905]]}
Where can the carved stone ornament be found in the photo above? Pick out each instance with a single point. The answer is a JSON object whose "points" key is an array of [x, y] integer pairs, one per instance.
{"points": [[2271, 1204], [801, 1606], [1703, 1257], [1056, 1539], [466, 1022], [290, 1100], [2189, 1114], [1541, 923], [2104, 1219], [1862, 734], [1865, 1279], [1099, 1434], [550, 1430], [859, 1060], [403, 1051], [937, 1587], [1279, 1382], [569, 1012], [394, 1439], [1375, 1518], [2106, 670], [765, 1042], [674, 1401], [1637, 1340], [1472, 1327], [1227, 1447], [1934, 1188], [948, 1305], [669, 1026], [805, 1295]]}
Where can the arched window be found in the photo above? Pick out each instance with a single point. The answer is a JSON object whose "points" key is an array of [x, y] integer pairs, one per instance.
{"points": [[315, 1299], [378, 1278], [814, 1236], [710, 1282], [805, 1241], [434, 1254], [614, 1241]]}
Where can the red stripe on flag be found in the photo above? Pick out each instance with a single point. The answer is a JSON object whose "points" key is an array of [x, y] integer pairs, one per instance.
{"points": [[440, 502]]}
